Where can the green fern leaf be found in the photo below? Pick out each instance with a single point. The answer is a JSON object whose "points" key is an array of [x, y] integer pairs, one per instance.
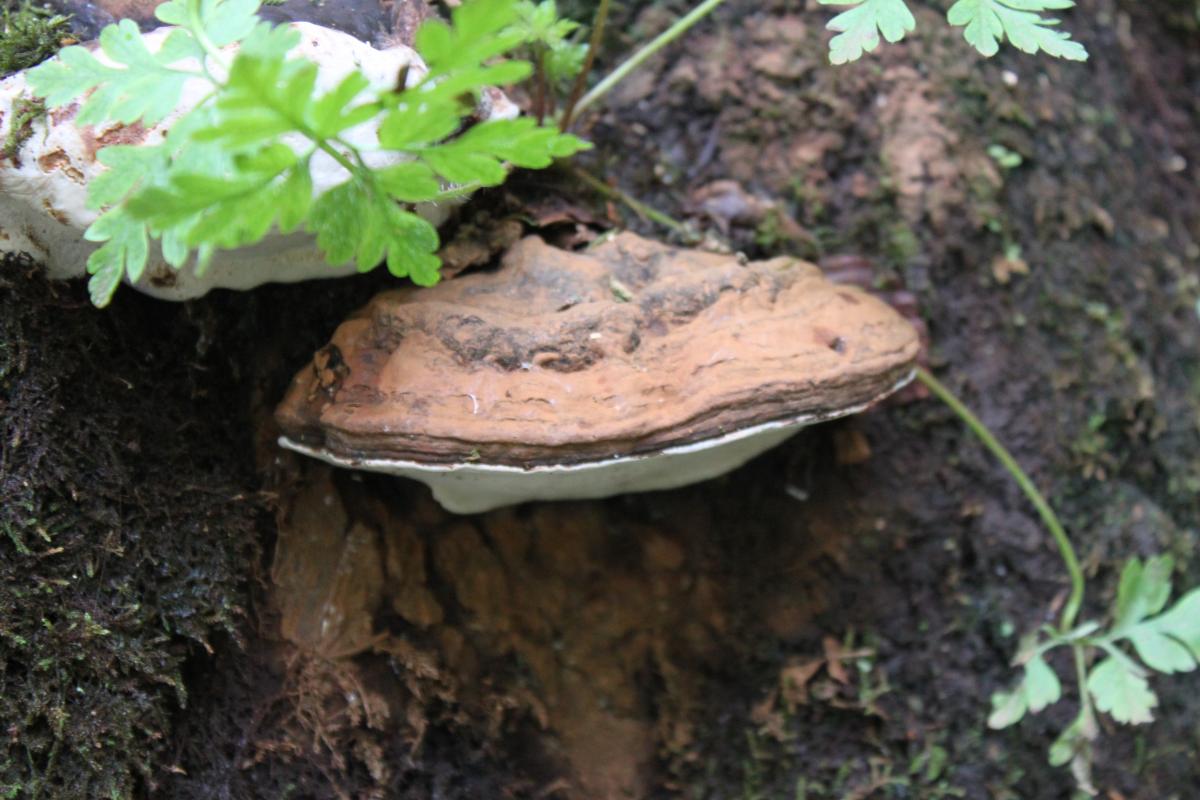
{"points": [[859, 28], [986, 22]]}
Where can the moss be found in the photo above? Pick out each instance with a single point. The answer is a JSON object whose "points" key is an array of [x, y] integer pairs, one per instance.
{"points": [[123, 540], [901, 244], [26, 111], [29, 34]]}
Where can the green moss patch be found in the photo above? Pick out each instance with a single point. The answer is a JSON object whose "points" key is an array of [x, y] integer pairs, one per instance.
{"points": [[29, 34], [124, 534]]}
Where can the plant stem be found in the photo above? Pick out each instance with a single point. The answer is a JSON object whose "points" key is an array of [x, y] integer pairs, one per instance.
{"points": [[539, 85], [1085, 700], [1049, 518], [581, 79], [639, 208], [659, 42], [196, 28]]}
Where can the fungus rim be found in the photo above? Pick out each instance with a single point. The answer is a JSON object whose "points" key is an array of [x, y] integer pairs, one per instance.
{"points": [[497, 486]]}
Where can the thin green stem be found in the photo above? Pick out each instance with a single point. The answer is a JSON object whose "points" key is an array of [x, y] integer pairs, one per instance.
{"points": [[1085, 700], [196, 28], [639, 208], [1119, 656], [658, 43], [353, 149], [365, 171], [1049, 518], [324, 146]]}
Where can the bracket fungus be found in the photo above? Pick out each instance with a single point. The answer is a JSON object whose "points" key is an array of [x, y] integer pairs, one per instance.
{"points": [[633, 366], [49, 161]]}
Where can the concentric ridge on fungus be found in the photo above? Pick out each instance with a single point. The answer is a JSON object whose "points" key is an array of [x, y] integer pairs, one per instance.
{"points": [[599, 364]]}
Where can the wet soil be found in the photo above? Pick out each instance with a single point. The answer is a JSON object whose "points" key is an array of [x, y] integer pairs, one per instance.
{"points": [[827, 622]]}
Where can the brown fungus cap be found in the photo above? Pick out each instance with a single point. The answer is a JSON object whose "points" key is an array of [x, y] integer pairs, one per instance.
{"points": [[559, 358], [633, 366]]}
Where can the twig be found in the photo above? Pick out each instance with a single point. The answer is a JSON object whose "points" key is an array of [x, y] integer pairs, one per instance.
{"points": [[581, 79]]}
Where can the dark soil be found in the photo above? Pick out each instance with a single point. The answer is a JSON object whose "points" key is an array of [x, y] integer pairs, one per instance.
{"points": [[823, 623]]}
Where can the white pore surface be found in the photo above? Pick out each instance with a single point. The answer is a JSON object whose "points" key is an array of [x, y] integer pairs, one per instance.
{"points": [[470, 488], [43, 194]]}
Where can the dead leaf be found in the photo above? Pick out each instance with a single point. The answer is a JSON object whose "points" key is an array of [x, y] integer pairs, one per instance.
{"points": [[793, 682], [850, 446], [762, 710], [475, 245], [1005, 266], [834, 654], [556, 211]]}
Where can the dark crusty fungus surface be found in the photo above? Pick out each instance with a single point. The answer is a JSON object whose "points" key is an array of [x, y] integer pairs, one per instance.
{"points": [[586, 368]]}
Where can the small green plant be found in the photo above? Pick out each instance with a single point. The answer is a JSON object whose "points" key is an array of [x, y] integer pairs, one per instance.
{"points": [[1164, 641], [551, 46], [985, 24], [1005, 158], [224, 175]]}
